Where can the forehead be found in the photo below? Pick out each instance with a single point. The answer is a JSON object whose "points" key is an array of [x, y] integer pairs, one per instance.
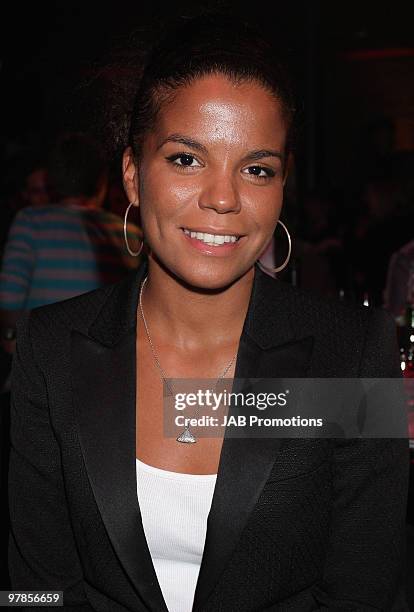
{"points": [[216, 110]]}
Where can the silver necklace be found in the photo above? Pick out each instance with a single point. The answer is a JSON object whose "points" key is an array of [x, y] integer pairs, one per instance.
{"points": [[186, 436]]}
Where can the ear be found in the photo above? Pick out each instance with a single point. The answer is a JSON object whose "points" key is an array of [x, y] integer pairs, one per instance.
{"points": [[130, 175]]}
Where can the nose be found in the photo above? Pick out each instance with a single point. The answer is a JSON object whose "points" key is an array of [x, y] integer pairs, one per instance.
{"points": [[220, 193]]}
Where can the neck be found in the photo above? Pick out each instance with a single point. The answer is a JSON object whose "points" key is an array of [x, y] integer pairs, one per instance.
{"points": [[192, 319]]}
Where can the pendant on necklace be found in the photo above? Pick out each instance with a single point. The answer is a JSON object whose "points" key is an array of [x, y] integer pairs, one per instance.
{"points": [[186, 437]]}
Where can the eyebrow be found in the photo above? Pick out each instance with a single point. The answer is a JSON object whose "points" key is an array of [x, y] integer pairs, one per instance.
{"points": [[261, 153], [194, 144], [185, 140]]}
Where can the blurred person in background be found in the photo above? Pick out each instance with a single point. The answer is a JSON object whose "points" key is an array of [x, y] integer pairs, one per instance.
{"points": [[399, 289], [35, 191], [28, 187], [319, 250], [378, 233], [56, 251]]}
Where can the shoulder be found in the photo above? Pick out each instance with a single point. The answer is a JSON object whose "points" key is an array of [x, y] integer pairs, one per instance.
{"points": [[105, 314], [342, 316], [37, 212], [311, 311], [403, 259], [37, 216], [26, 215], [53, 322], [348, 337], [25, 223], [407, 250]]}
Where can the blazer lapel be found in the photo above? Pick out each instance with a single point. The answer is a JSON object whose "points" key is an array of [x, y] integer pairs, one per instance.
{"points": [[268, 349], [103, 387]]}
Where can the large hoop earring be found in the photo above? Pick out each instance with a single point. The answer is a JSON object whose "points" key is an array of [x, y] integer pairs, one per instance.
{"points": [[285, 263], [133, 253]]}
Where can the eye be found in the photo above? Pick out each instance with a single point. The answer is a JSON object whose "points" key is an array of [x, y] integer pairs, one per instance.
{"points": [[184, 159], [259, 171]]}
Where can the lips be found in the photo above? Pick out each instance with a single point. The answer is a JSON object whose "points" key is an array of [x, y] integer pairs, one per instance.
{"points": [[218, 243], [210, 238]]}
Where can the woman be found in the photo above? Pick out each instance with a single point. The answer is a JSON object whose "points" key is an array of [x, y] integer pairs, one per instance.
{"points": [[103, 506]]}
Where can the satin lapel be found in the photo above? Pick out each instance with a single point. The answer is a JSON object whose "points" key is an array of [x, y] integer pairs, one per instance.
{"points": [[103, 385], [245, 464]]}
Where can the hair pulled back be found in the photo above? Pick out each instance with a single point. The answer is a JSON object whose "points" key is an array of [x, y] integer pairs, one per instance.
{"points": [[207, 45]]}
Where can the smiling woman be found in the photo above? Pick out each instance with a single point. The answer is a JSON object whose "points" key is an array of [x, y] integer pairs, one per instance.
{"points": [[124, 517], [211, 167]]}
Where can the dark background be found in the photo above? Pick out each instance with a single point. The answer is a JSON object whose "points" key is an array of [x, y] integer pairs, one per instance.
{"points": [[353, 62]]}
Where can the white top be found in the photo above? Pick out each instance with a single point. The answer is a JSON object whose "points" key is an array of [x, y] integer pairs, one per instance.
{"points": [[174, 509]]}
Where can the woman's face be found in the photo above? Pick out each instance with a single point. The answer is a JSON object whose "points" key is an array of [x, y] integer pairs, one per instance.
{"points": [[210, 180]]}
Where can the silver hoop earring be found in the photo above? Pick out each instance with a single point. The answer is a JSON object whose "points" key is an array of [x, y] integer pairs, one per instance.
{"points": [[285, 263], [133, 253]]}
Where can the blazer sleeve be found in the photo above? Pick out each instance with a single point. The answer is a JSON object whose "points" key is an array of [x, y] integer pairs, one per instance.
{"points": [[42, 550], [366, 560]]}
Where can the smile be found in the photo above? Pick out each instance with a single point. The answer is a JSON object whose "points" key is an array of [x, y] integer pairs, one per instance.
{"points": [[212, 239]]}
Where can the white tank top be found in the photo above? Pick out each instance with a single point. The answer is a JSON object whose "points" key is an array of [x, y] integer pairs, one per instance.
{"points": [[174, 509]]}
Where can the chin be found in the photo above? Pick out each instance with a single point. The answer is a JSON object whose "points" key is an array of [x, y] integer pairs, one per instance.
{"points": [[211, 277], [204, 274]]}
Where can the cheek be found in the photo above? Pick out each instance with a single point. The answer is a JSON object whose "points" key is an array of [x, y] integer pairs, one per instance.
{"points": [[265, 207], [163, 201], [163, 192]]}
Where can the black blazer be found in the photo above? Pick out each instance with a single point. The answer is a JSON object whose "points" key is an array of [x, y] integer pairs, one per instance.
{"points": [[294, 525]]}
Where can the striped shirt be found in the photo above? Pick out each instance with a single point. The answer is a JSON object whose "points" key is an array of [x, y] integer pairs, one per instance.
{"points": [[56, 252]]}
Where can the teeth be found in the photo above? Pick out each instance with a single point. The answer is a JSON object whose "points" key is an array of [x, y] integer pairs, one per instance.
{"points": [[211, 239]]}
